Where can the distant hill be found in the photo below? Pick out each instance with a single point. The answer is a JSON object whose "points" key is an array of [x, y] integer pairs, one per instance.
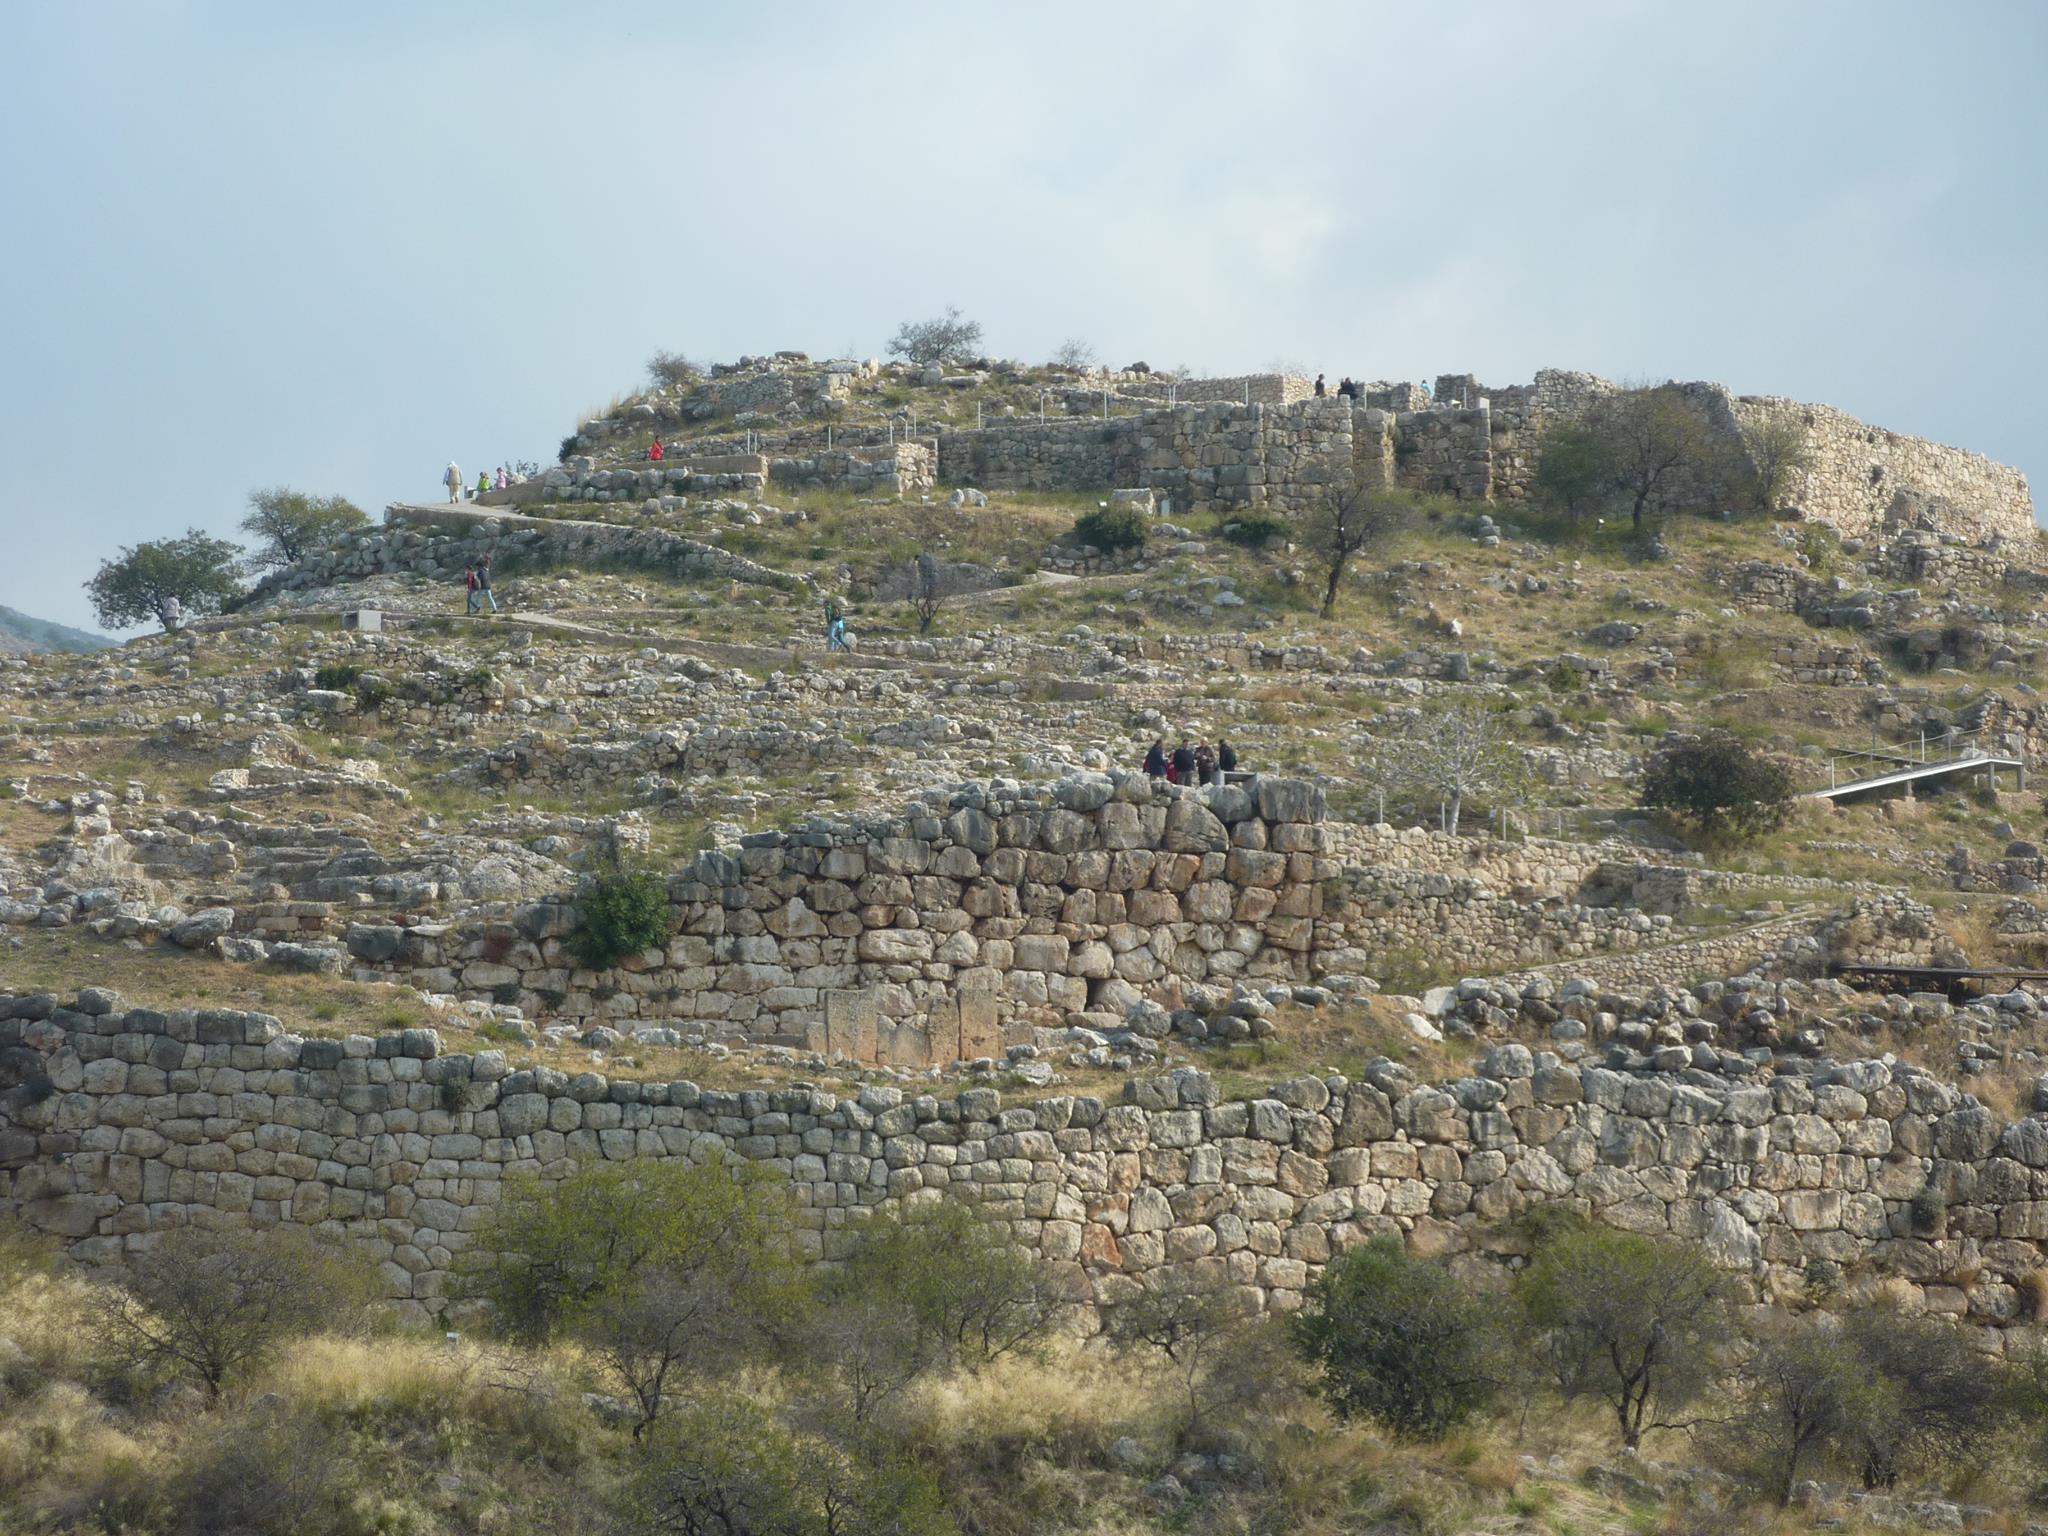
{"points": [[19, 632]]}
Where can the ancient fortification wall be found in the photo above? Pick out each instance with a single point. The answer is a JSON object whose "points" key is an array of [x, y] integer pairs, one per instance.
{"points": [[116, 1127], [918, 938], [1472, 442]]}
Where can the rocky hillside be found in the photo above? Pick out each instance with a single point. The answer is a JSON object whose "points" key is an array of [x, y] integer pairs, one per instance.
{"points": [[20, 633], [348, 913]]}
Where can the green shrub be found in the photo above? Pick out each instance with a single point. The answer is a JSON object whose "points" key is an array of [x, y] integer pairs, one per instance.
{"points": [[1111, 528], [624, 911], [1719, 783], [1399, 1340], [1255, 530], [337, 676]]}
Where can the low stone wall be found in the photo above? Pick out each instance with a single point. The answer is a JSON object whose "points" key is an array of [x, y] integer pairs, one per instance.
{"points": [[895, 469], [1071, 899], [116, 1127], [437, 542]]}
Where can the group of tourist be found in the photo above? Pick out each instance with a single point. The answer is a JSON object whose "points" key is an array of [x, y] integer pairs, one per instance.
{"points": [[1349, 388], [1192, 762], [486, 480]]}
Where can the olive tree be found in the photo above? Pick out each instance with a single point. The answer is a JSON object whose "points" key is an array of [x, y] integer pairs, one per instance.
{"points": [[1632, 1321], [927, 591], [1718, 783], [937, 339], [1575, 468], [288, 525], [1399, 1340], [657, 1266], [202, 572]]}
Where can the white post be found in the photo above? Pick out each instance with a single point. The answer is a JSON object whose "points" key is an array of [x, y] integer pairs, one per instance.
{"points": [[1105, 405], [828, 437], [977, 415], [1041, 407]]}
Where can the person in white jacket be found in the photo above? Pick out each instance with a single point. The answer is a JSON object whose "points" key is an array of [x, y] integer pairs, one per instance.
{"points": [[453, 480]]}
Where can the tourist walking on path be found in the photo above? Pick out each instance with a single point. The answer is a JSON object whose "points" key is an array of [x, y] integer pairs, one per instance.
{"points": [[1226, 759], [1183, 764], [469, 584], [836, 637], [172, 612], [483, 582], [1155, 760], [452, 478], [657, 453], [1319, 386]]}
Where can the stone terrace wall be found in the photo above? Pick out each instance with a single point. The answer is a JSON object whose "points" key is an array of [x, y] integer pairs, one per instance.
{"points": [[1051, 901], [896, 469], [437, 542], [117, 1127]]}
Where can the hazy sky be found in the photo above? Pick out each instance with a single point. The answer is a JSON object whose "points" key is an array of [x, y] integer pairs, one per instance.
{"points": [[334, 246]]}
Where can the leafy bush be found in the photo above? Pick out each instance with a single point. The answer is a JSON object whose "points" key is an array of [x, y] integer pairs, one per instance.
{"points": [[624, 911], [1719, 783], [337, 676], [570, 445], [1398, 1340], [1254, 530], [1111, 528], [672, 368]]}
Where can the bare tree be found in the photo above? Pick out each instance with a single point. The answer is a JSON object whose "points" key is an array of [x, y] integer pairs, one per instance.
{"points": [[927, 592], [1074, 353], [1345, 524], [935, 340], [1653, 436], [1458, 751], [1778, 456], [670, 368]]}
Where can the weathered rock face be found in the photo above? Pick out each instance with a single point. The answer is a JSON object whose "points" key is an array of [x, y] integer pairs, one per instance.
{"points": [[115, 1127], [1050, 901]]}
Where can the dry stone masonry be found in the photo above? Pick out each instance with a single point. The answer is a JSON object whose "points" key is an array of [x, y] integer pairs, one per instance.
{"points": [[117, 1126], [1049, 901]]}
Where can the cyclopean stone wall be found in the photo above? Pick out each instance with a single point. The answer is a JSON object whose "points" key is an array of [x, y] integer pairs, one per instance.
{"points": [[116, 1127], [1476, 443], [997, 905]]}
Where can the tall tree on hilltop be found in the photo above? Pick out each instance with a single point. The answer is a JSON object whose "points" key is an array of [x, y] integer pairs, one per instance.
{"points": [[288, 525], [937, 339]]}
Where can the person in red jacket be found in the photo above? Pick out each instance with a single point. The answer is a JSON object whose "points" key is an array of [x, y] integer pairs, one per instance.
{"points": [[656, 453]]}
